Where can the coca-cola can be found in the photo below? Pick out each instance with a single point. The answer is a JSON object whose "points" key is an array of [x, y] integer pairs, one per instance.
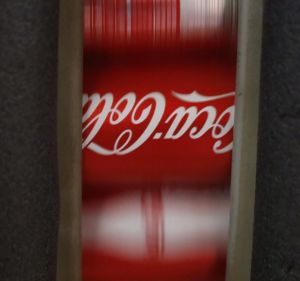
{"points": [[158, 118]]}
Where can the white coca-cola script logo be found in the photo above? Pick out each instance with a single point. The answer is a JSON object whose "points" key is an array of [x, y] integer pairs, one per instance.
{"points": [[183, 120]]}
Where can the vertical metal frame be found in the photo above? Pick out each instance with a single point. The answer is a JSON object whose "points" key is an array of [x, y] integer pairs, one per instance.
{"points": [[245, 141], [69, 139]]}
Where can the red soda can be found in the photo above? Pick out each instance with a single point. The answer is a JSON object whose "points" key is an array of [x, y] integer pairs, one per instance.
{"points": [[158, 116]]}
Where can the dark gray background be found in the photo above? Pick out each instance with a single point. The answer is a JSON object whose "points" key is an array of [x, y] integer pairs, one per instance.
{"points": [[276, 248], [28, 158]]}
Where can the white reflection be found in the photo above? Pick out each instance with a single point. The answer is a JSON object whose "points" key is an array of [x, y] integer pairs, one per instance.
{"points": [[199, 16], [165, 225]]}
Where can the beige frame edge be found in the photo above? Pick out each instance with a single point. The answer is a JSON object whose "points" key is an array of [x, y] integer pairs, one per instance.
{"points": [[243, 180], [69, 139], [245, 138]]}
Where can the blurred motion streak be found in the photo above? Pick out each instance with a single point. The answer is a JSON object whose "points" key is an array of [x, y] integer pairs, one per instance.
{"points": [[158, 111]]}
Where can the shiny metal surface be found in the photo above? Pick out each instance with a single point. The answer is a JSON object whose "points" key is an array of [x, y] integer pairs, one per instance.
{"points": [[158, 22]]}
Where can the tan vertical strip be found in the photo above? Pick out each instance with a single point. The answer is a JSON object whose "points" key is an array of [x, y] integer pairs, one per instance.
{"points": [[245, 141], [69, 139]]}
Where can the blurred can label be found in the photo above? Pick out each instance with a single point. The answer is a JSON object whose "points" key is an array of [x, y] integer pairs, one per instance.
{"points": [[157, 122]]}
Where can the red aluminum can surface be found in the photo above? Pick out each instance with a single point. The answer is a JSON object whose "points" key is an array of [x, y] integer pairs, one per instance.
{"points": [[158, 116], [123, 24], [161, 119], [155, 234], [158, 99]]}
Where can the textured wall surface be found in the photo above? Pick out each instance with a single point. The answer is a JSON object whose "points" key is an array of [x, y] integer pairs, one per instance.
{"points": [[276, 250], [28, 158]]}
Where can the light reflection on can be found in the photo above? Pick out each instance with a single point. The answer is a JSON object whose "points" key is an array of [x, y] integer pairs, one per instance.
{"points": [[159, 23]]}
